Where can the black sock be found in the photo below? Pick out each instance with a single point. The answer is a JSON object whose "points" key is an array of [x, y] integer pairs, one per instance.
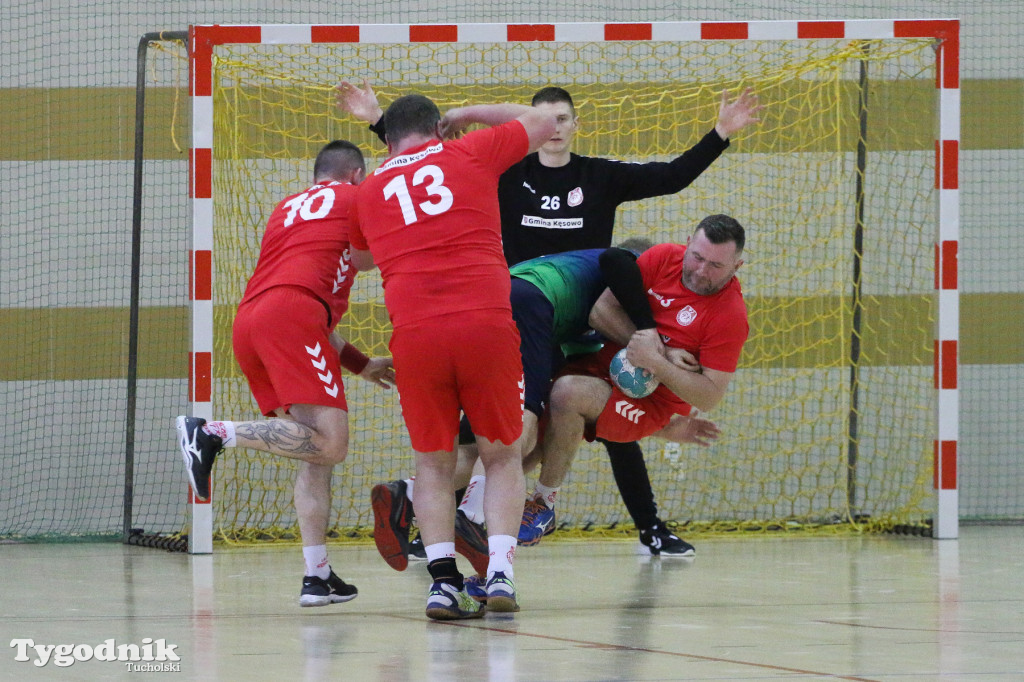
{"points": [[445, 571]]}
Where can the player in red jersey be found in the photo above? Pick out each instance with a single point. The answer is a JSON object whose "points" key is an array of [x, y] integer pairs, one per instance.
{"points": [[698, 307], [284, 342], [428, 218]]}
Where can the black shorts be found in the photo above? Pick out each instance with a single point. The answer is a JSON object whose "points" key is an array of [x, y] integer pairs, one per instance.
{"points": [[535, 318]]}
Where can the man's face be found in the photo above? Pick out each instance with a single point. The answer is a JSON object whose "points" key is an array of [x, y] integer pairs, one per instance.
{"points": [[565, 130], [708, 267]]}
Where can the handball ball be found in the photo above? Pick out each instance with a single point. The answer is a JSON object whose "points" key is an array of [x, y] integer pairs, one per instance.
{"points": [[631, 380]]}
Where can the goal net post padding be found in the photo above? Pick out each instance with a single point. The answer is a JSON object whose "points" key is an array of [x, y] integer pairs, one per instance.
{"points": [[842, 412]]}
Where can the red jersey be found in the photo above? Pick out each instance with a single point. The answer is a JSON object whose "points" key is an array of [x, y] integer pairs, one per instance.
{"points": [[713, 328], [306, 244], [430, 218]]}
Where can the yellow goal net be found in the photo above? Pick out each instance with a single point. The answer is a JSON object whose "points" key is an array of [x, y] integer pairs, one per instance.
{"points": [[830, 420]]}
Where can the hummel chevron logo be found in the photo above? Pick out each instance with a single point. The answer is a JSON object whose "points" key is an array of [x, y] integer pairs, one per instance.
{"points": [[342, 272], [319, 361], [629, 411]]}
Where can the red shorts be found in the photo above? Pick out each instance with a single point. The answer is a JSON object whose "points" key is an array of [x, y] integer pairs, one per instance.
{"points": [[281, 343], [469, 362], [625, 419]]}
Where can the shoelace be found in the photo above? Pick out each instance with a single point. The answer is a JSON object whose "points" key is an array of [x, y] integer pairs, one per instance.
{"points": [[531, 510]]}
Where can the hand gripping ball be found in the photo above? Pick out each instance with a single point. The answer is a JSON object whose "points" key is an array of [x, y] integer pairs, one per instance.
{"points": [[631, 380]]}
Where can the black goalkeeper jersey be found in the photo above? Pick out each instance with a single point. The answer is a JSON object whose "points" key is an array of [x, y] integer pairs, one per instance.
{"points": [[550, 210]]}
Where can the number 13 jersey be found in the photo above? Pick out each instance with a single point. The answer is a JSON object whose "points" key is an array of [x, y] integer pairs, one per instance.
{"points": [[430, 218]]}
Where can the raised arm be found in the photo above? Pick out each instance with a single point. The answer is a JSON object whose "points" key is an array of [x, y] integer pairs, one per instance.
{"points": [[539, 124], [736, 114], [360, 102], [633, 181]]}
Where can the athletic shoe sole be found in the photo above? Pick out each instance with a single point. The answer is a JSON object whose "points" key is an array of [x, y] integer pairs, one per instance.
{"points": [[502, 604], [389, 545], [647, 551], [320, 600], [471, 543], [446, 613]]}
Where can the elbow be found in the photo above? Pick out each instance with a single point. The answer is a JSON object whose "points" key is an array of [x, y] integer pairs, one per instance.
{"points": [[706, 403]]}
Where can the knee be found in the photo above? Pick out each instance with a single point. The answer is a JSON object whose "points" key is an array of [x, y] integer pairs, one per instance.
{"points": [[570, 393], [332, 448], [561, 396]]}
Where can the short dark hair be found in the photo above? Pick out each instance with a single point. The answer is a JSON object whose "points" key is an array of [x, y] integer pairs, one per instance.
{"points": [[336, 160], [636, 245], [409, 115], [720, 228], [553, 94]]}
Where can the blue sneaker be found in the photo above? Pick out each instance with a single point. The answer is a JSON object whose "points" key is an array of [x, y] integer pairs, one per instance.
{"points": [[501, 594], [476, 588], [538, 521], [445, 602]]}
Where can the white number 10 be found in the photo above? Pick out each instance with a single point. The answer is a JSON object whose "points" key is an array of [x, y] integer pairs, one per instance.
{"points": [[435, 188]]}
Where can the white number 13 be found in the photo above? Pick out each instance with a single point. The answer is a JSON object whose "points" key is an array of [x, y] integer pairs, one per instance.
{"points": [[435, 188]]}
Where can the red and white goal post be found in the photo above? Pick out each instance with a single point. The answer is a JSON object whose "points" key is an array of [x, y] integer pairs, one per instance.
{"points": [[791, 182]]}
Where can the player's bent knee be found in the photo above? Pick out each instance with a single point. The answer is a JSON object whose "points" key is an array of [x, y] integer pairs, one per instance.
{"points": [[333, 449], [581, 395]]}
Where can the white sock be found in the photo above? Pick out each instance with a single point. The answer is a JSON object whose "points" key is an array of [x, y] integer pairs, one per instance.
{"points": [[503, 551], [472, 504], [224, 430], [546, 494], [440, 550], [316, 561], [409, 482]]}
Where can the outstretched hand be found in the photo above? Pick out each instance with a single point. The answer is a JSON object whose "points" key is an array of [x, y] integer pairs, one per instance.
{"points": [[380, 371], [360, 102], [691, 429], [734, 115]]}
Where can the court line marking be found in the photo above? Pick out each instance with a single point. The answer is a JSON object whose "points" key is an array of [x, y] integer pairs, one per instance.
{"points": [[646, 650]]}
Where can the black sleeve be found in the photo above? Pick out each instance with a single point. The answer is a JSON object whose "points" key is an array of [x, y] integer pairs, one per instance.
{"points": [[658, 178], [378, 128], [623, 277]]}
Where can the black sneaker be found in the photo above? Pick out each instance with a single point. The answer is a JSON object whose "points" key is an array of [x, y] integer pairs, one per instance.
{"points": [[659, 541], [392, 514], [198, 449], [320, 592], [471, 542], [416, 549]]}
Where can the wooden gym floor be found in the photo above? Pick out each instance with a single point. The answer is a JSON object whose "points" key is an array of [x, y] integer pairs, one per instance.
{"points": [[754, 608]]}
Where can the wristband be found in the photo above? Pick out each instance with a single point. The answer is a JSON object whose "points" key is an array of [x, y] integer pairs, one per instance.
{"points": [[378, 130], [353, 359]]}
